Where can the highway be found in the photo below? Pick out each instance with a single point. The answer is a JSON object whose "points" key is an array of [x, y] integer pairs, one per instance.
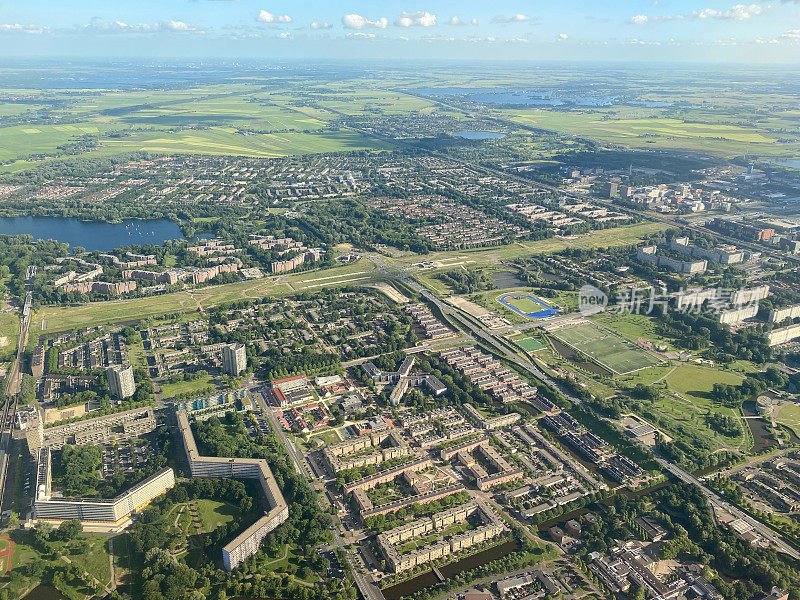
{"points": [[718, 503], [478, 332]]}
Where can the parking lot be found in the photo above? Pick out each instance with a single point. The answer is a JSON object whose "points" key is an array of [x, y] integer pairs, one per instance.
{"points": [[125, 458]]}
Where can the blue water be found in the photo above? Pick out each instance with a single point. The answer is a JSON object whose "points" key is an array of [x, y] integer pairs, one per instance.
{"points": [[519, 97], [479, 135], [794, 163], [92, 235]]}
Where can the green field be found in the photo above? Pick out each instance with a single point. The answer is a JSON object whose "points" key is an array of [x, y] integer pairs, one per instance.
{"points": [[170, 390], [606, 348], [226, 141], [646, 128], [62, 318], [9, 334], [789, 415], [698, 381], [529, 344], [525, 305]]}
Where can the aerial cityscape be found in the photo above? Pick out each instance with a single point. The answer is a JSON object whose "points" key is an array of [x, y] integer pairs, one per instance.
{"points": [[310, 301]]}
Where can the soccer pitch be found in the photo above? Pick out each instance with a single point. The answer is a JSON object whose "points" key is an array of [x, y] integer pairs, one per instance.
{"points": [[529, 344], [607, 348]]}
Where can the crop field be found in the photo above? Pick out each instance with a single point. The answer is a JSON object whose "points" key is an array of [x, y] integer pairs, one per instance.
{"points": [[226, 141], [23, 140], [607, 348], [234, 119], [645, 128]]}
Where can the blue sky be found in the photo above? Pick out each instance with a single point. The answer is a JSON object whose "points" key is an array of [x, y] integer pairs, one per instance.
{"points": [[664, 30]]}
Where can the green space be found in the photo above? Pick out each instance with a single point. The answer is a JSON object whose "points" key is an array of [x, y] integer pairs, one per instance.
{"points": [[213, 513], [697, 381], [9, 334], [606, 348], [193, 386], [633, 327], [84, 554], [137, 355], [62, 318], [789, 416], [530, 344]]}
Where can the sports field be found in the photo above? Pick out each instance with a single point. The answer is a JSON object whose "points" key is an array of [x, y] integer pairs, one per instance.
{"points": [[607, 348], [529, 344], [527, 305]]}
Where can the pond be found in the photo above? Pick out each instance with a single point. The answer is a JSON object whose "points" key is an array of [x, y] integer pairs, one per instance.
{"points": [[44, 592], [427, 579], [503, 280], [759, 429], [480, 135], [92, 235]]}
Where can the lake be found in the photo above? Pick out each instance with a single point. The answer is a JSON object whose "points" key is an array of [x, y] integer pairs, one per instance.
{"points": [[794, 163], [480, 135], [92, 235]]}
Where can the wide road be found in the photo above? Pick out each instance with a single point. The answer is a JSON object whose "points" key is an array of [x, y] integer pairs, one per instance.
{"points": [[297, 457], [720, 503], [368, 590]]}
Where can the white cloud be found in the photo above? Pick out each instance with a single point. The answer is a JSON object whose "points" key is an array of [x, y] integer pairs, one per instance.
{"points": [[415, 19], [738, 12], [792, 34], [474, 22], [109, 27], [360, 35], [455, 21], [359, 22], [17, 28], [561, 37], [518, 18], [320, 25], [267, 17], [285, 35]]}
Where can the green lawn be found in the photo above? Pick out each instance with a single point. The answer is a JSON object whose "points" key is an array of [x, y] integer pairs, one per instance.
{"points": [[9, 335], [697, 381], [170, 390], [789, 415], [213, 513], [137, 355]]}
